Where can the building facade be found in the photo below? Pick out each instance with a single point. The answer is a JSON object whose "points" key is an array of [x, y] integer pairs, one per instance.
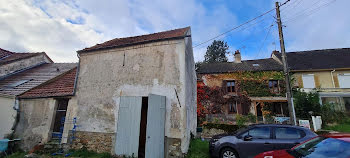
{"points": [[326, 71], [261, 81], [138, 95]]}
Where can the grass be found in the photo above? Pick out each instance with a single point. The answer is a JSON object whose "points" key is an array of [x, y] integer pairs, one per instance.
{"points": [[16, 155], [339, 128], [198, 149]]}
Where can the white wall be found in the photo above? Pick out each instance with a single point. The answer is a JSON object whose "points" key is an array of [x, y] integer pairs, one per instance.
{"points": [[7, 116]]}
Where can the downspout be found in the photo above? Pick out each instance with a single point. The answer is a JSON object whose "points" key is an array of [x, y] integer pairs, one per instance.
{"points": [[333, 77], [76, 75]]}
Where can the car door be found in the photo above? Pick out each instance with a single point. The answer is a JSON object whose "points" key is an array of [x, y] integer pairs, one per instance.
{"points": [[261, 141], [287, 137]]}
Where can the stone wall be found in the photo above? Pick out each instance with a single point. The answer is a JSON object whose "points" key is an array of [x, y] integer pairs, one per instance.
{"points": [[173, 148], [95, 141]]}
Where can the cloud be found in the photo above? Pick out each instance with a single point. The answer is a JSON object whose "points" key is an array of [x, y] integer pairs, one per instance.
{"points": [[60, 28], [317, 27], [31, 29]]}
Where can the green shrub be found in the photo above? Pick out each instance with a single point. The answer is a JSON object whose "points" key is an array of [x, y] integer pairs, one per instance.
{"points": [[241, 120], [226, 127], [251, 117]]}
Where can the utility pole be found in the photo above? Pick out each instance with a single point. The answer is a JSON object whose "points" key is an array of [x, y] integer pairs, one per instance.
{"points": [[285, 67]]}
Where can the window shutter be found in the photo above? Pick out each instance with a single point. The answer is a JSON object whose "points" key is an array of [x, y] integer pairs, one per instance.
{"points": [[224, 85]]}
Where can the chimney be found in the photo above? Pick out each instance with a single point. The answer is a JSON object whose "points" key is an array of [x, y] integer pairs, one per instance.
{"points": [[238, 57]]}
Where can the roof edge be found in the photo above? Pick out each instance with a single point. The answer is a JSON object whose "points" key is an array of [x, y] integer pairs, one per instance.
{"points": [[131, 44]]}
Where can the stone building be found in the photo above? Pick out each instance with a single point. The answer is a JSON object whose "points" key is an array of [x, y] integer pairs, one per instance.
{"points": [[326, 71], [262, 80], [15, 84], [46, 110], [137, 95]]}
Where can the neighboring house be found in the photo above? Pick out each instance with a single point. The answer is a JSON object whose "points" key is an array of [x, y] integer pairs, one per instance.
{"points": [[11, 62], [262, 80], [17, 83], [327, 71], [137, 95], [46, 110]]}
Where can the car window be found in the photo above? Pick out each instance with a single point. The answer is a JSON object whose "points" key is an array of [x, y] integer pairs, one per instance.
{"points": [[324, 148], [287, 133], [258, 132]]}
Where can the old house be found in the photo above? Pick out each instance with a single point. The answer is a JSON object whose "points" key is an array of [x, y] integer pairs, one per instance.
{"points": [[326, 71], [244, 86], [10, 64], [16, 84], [137, 95], [46, 110]]}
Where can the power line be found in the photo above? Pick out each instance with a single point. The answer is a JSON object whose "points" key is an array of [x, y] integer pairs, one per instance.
{"points": [[235, 27], [263, 43], [312, 11], [244, 28]]}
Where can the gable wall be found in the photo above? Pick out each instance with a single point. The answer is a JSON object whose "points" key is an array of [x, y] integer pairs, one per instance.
{"points": [[22, 64], [157, 68]]}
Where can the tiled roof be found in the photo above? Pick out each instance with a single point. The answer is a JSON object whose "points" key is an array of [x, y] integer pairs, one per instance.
{"points": [[21, 82], [268, 64], [318, 59], [62, 85], [120, 42], [8, 56], [4, 53]]}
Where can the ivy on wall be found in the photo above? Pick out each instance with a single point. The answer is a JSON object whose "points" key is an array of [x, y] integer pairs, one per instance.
{"points": [[248, 84]]}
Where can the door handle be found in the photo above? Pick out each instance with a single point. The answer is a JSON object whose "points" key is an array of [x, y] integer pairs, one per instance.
{"points": [[267, 143], [148, 137]]}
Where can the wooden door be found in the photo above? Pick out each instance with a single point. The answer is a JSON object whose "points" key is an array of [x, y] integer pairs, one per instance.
{"points": [[155, 126], [128, 126]]}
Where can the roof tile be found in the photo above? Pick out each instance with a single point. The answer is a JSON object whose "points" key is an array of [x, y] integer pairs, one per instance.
{"points": [[34, 76], [268, 64], [60, 86], [120, 42]]}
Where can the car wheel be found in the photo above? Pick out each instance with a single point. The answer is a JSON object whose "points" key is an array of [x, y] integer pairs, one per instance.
{"points": [[228, 153]]}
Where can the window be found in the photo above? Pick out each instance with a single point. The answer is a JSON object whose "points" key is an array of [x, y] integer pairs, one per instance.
{"points": [[258, 132], [287, 133], [274, 86], [230, 86], [308, 81], [344, 80], [232, 107]]}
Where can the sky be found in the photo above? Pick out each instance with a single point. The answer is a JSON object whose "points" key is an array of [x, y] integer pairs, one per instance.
{"points": [[61, 27]]}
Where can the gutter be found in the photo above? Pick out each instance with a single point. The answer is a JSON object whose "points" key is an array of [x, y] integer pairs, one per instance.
{"points": [[76, 75], [333, 77], [14, 126]]}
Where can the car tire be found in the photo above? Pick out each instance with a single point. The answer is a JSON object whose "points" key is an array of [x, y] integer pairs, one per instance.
{"points": [[228, 153]]}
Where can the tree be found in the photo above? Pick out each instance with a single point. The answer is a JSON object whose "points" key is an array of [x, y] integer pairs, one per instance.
{"points": [[216, 52]]}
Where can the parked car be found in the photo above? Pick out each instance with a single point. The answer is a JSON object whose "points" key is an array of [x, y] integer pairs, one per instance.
{"points": [[256, 139], [331, 145]]}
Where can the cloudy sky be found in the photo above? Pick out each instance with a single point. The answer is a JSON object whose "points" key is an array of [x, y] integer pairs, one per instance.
{"points": [[61, 27]]}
